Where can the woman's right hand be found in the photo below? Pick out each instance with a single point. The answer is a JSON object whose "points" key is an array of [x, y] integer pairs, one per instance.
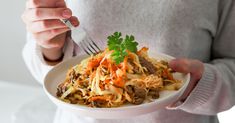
{"points": [[42, 19]]}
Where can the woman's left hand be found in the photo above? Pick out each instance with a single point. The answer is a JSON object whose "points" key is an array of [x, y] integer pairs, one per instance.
{"points": [[194, 67]]}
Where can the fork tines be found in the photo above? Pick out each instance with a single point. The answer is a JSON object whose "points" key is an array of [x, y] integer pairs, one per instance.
{"points": [[89, 46]]}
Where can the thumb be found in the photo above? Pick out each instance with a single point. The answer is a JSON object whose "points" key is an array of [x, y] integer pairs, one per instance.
{"points": [[194, 67], [180, 65]]}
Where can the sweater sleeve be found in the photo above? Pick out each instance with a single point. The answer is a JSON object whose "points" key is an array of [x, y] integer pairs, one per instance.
{"points": [[215, 92], [34, 60], [33, 57]]}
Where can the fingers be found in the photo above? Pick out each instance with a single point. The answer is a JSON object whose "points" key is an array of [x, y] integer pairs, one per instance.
{"points": [[74, 21], [194, 67], [182, 65], [45, 9], [41, 26], [44, 38], [38, 14], [42, 19], [197, 69], [45, 25], [44, 3]]}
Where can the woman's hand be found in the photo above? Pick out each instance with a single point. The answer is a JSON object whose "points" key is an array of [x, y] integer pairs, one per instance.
{"points": [[42, 21], [194, 67]]}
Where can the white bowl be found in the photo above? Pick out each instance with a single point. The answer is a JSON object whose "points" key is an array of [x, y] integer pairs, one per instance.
{"points": [[58, 73]]}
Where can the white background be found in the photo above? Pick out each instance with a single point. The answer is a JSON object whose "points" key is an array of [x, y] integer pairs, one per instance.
{"points": [[13, 69], [12, 39]]}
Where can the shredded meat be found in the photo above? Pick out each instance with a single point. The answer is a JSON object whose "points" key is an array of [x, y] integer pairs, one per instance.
{"points": [[136, 94], [60, 90], [148, 65], [154, 93], [99, 103]]}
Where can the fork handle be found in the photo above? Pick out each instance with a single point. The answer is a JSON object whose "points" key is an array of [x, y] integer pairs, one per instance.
{"points": [[67, 23]]}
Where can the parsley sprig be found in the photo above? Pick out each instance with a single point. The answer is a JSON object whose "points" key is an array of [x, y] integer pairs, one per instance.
{"points": [[120, 46]]}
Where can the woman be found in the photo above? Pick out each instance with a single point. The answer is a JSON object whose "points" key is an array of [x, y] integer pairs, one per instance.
{"points": [[200, 33]]}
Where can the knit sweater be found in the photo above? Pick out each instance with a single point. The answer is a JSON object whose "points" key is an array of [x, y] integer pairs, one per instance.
{"points": [[195, 29]]}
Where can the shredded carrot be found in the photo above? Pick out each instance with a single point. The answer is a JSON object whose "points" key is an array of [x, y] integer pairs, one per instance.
{"points": [[98, 98], [119, 82], [130, 54], [142, 50], [167, 74], [101, 86], [93, 63], [107, 81], [104, 62]]}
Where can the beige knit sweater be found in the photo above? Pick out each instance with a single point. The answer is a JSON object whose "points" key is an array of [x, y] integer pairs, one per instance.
{"points": [[197, 29]]}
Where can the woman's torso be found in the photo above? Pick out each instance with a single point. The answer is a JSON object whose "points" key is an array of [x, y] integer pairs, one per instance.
{"points": [[181, 28]]}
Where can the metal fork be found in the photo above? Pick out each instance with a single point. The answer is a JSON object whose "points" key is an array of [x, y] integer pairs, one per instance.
{"points": [[82, 39]]}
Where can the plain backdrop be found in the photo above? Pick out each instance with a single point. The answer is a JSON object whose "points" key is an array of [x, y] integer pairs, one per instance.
{"points": [[12, 40]]}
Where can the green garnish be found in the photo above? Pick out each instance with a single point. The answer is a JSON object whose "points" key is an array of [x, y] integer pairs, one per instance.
{"points": [[120, 46]]}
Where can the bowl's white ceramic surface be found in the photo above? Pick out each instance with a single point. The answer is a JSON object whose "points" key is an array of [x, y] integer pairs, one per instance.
{"points": [[58, 73]]}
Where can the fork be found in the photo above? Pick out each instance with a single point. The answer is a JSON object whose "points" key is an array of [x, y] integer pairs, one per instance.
{"points": [[82, 39]]}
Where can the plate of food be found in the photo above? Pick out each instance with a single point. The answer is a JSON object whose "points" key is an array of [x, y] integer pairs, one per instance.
{"points": [[122, 81]]}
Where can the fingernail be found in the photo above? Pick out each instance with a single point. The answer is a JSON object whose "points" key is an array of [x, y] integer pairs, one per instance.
{"points": [[75, 23], [67, 13]]}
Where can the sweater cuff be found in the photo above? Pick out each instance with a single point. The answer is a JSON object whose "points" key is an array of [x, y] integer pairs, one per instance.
{"points": [[44, 66], [201, 93], [68, 51]]}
